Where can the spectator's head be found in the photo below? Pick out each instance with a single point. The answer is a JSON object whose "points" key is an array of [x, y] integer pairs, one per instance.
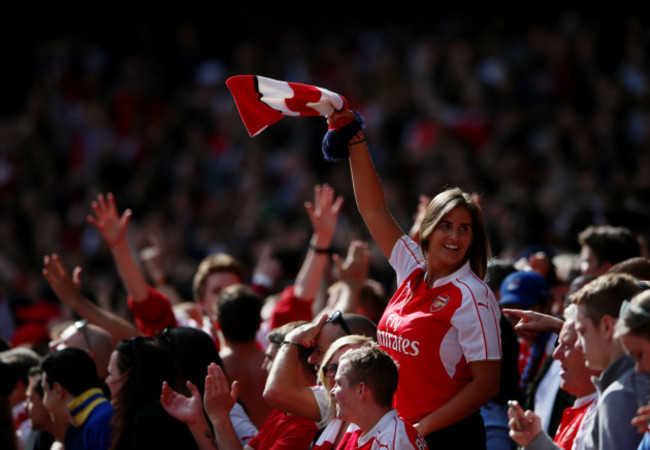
{"points": [[523, 289], [90, 338], [214, 273], [633, 329], [38, 413], [194, 351], [20, 360], [605, 245], [238, 313], [339, 325], [638, 267], [327, 371], [575, 375], [365, 382], [276, 337], [598, 306], [137, 370], [67, 373], [372, 300], [497, 271], [478, 250]]}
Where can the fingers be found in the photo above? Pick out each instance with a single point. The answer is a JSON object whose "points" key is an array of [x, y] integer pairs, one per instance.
{"points": [[194, 391], [522, 314]]}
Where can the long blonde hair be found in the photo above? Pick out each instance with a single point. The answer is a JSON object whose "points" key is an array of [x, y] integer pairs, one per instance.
{"points": [[352, 341]]}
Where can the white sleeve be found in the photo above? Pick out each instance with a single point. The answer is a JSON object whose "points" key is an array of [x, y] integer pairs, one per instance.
{"points": [[405, 257], [323, 405], [477, 322], [242, 424]]}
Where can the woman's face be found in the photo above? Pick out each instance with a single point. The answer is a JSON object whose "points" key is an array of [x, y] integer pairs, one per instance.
{"points": [[332, 365], [448, 242], [638, 348], [114, 380]]}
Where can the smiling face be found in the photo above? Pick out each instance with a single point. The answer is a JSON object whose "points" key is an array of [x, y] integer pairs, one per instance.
{"points": [[576, 377], [344, 394], [448, 243]]}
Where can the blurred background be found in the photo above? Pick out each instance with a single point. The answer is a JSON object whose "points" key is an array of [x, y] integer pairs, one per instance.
{"points": [[545, 115]]}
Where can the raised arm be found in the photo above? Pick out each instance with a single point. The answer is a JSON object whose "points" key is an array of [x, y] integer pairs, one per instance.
{"points": [[353, 273], [368, 190], [68, 289], [189, 410], [113, 229], [283, 388], [323, 214]]}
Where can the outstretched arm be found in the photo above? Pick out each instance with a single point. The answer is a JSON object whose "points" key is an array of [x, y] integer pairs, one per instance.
{"points": [[323, 214], [368, 190], [68, 289], [534, 322], [113, 229]]}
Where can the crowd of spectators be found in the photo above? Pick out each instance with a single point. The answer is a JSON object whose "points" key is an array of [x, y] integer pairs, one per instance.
{"points": [[545, 119]]}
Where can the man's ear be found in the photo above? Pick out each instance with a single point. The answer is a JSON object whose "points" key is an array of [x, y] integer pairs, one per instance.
{"points": [[59, 391], [607, 325]]}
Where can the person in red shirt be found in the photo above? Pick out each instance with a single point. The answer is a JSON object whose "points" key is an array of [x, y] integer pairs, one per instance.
{"points": [[442, 324], [575, 379], [364, 384]]}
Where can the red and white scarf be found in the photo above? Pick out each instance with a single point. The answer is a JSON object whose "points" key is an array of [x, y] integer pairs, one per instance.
{"points": [[263, 101]]}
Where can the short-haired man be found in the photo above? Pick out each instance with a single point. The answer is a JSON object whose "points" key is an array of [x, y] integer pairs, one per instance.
{"points": [[576, 379], [237, 315], [44, 429], [365, 383], [605, 245], [72, 394], [620, 389]]}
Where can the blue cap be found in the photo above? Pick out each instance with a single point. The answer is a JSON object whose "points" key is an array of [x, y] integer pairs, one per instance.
{"points": [[523, 289]]}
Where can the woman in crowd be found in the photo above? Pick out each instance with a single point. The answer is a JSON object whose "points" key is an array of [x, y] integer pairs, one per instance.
{"points": [[137, 369], [633, 330], [442, 324]]}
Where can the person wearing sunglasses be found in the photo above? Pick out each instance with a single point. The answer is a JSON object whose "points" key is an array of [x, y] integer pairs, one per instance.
{"points": [[88, 337]]}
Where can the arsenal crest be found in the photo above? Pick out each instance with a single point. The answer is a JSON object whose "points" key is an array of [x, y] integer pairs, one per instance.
{"points": [[439, 302]]}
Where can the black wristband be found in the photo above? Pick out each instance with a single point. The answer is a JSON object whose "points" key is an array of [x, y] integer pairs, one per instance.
{"points": [[328, 250], [292, 342]]}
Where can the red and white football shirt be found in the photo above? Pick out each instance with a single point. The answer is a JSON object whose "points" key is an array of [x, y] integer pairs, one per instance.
{"points": [[433, 333]]}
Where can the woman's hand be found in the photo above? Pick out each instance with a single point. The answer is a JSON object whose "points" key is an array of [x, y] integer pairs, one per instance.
{"points": [[186, 409], [218, 398]]}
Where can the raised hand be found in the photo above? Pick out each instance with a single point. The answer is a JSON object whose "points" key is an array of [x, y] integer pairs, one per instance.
{"points": [[186, 409], [218, 397], [67, 288], [354, 270], [110, 224], [324, 212]]}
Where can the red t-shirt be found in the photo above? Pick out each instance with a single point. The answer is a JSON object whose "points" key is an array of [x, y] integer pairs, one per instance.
{"points": [[284, 431], [571, 420], [433, 333]]}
